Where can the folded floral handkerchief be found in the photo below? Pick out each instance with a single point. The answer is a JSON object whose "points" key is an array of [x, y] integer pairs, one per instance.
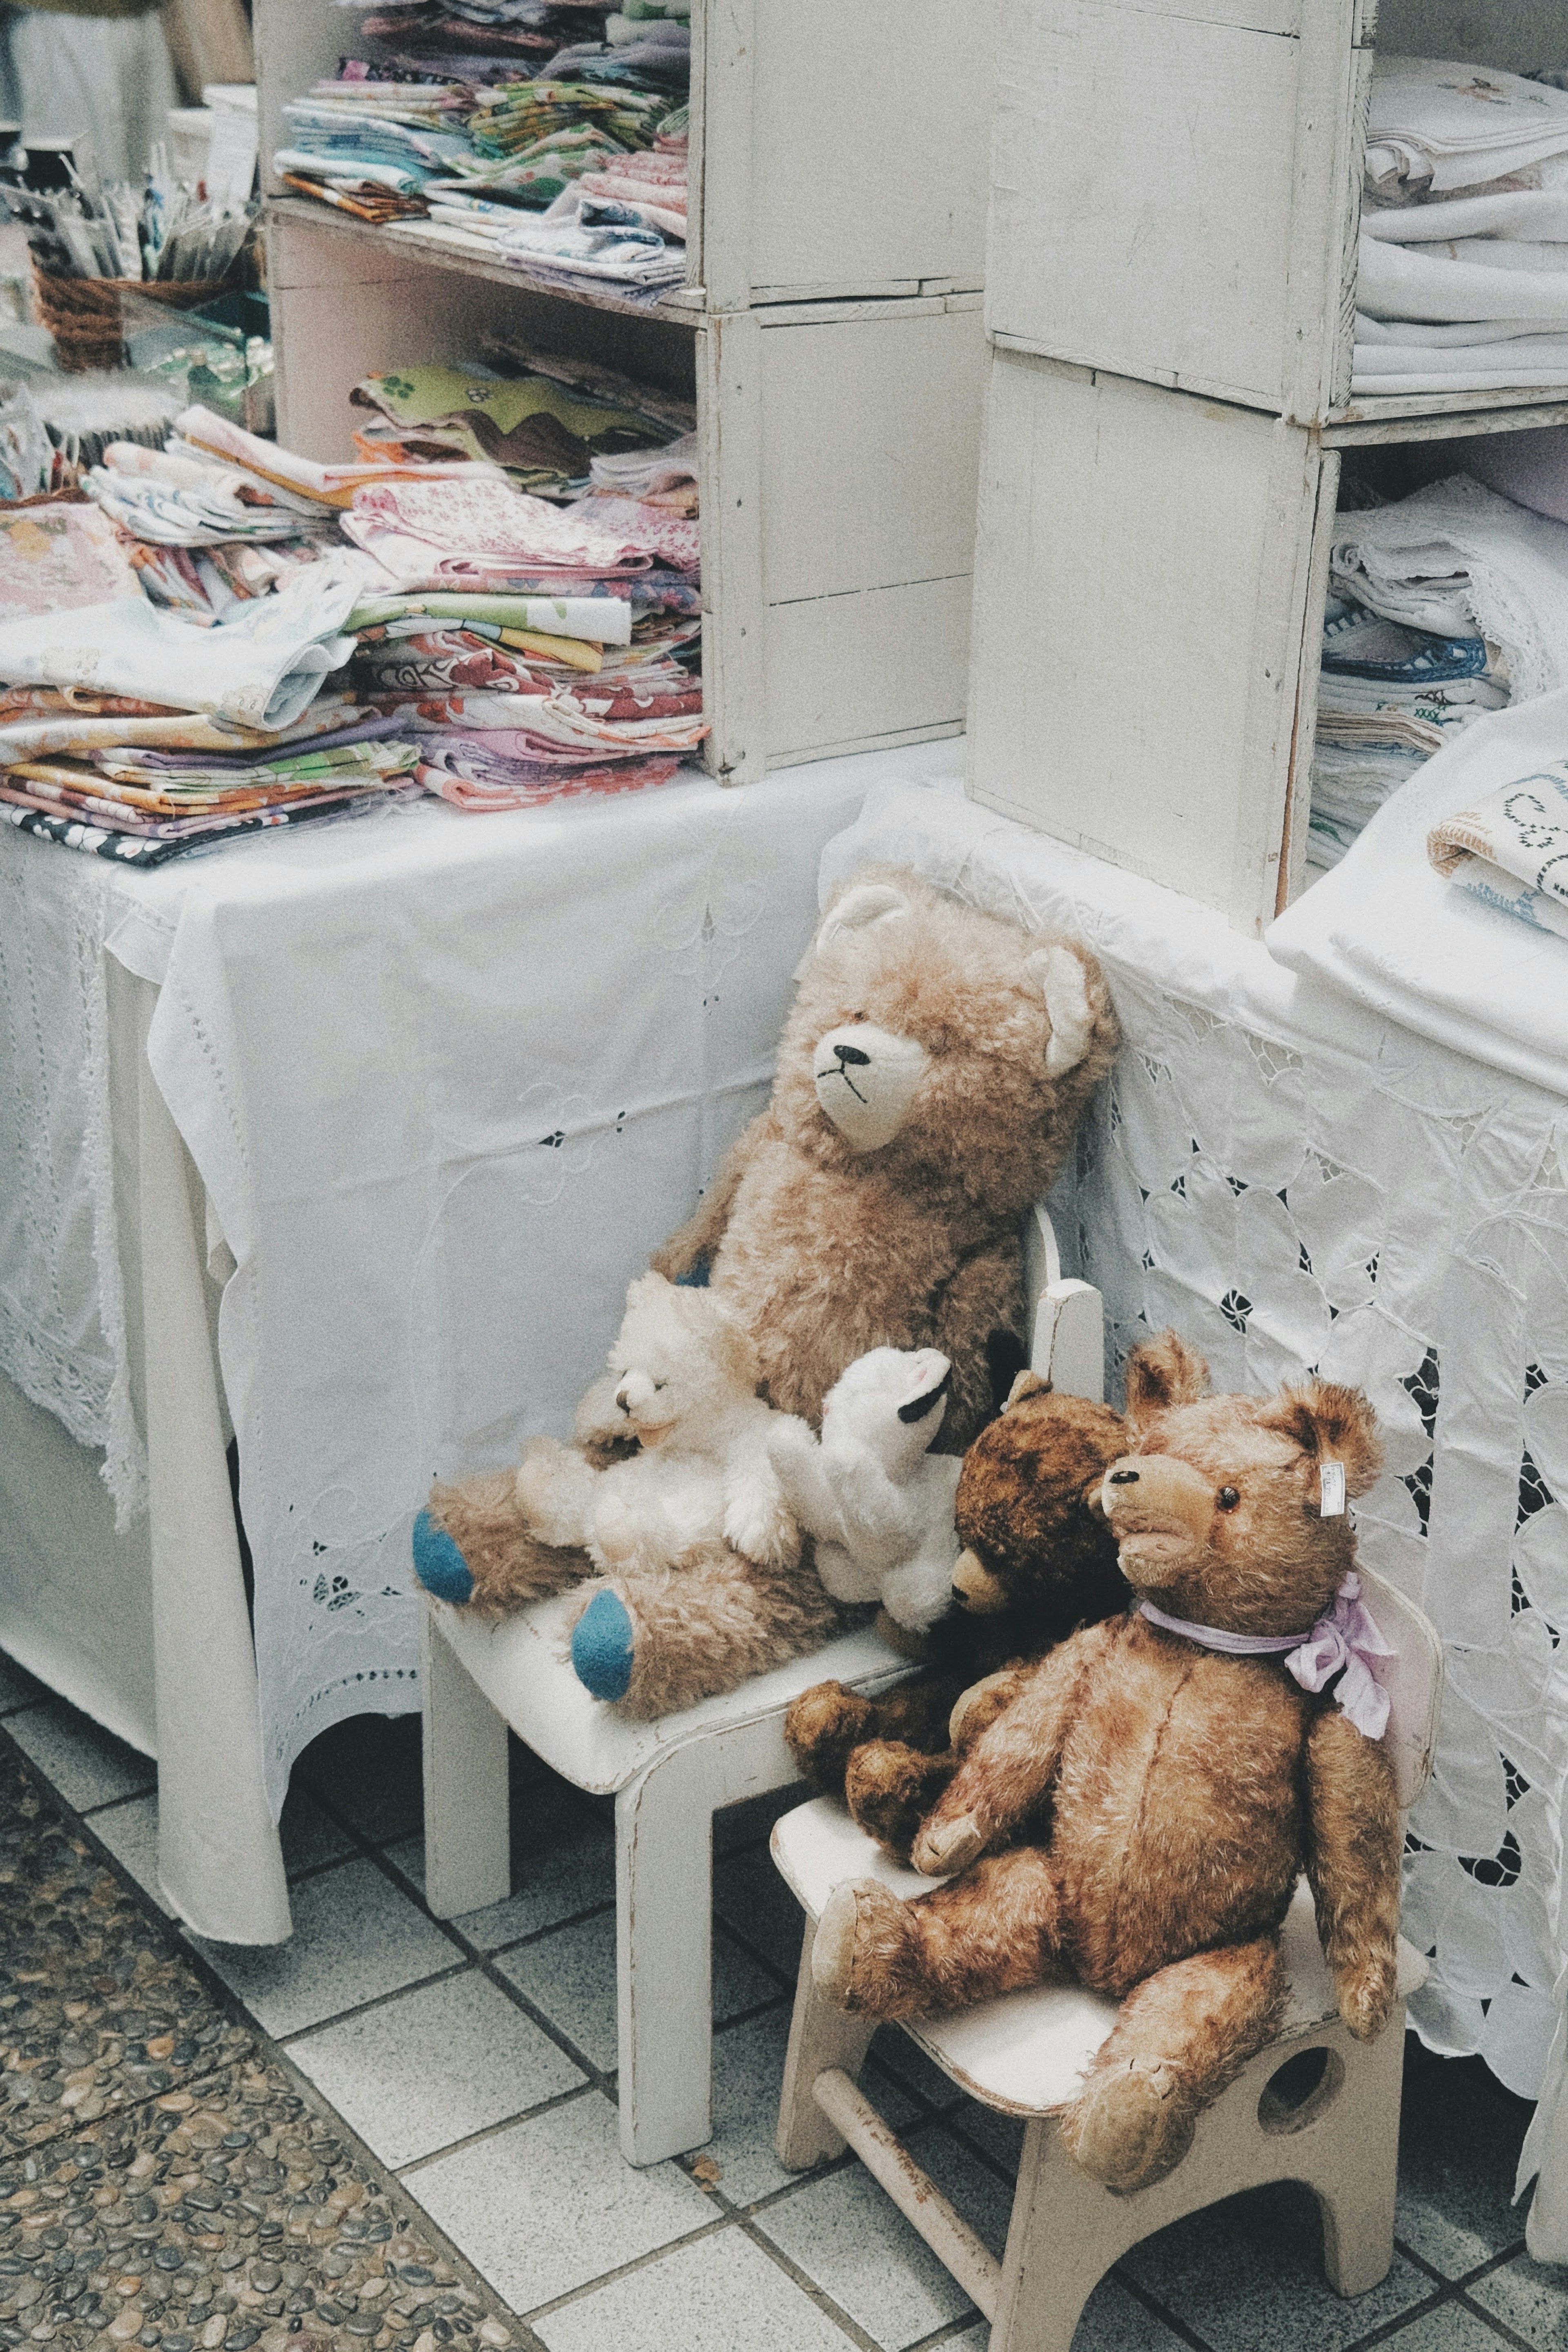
{"points": [[451, 532], [1511, 848]]}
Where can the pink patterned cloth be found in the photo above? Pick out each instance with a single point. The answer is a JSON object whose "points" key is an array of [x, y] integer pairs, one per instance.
{"points": [[475, 772], [452, 532], [1347, 1639]]}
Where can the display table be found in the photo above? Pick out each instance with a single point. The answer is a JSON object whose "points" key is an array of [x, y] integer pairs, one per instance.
{"points": [[1298, 1184], [416, 1095]]}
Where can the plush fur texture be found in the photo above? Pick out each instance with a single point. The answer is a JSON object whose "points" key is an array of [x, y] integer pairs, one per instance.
{"points": [[1139, 1814], [875, 1205], [878, 1503], [1036, 1560]]}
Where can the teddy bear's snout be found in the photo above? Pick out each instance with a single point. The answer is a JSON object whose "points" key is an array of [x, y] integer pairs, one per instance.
{"points": [[975, 1588], [1161, 1512]]}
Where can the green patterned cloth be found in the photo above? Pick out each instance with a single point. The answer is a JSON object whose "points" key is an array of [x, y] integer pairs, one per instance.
{"points": [[543, 431]]}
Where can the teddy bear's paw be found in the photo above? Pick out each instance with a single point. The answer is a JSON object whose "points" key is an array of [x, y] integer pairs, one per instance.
{"points": [[890, 1788], [980, 1706], [861, 1951], [438, 1564], [945, 1846], [759, 1525], [554, 1488], [1132, 2125], [821, 1729], [1366, 1995], [604, 1647]]}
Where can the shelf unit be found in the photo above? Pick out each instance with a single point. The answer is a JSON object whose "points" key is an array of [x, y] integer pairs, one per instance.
{"points": [[1170, 299], [830, 333]]}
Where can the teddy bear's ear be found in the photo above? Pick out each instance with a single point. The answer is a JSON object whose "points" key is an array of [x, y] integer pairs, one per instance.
{"points": [[1330, 1424], [1161, 1373], [861, 907], [1061, 977]]}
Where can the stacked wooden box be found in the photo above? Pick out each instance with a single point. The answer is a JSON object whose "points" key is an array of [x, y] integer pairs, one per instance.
{"points": [[1171, 290], [829, 330]]}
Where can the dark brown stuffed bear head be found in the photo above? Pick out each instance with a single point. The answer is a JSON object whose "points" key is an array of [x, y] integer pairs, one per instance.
{"points": [[1036, 1542], [939, 1046], [1217, 1508]]}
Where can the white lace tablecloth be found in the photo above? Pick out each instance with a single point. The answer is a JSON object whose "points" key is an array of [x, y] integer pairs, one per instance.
{"points": [[1299, 1185], [447, 1080]]}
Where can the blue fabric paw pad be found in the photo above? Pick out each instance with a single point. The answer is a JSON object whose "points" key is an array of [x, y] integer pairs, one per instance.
{"points": [[438, 1564], [602, 1647]]}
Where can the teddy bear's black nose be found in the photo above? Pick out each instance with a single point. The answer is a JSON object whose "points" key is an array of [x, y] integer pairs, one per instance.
{"points": [[1124, 1477], [853, 1054]]}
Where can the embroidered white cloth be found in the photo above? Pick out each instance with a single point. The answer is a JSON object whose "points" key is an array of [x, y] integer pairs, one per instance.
{"points": [[1511, 849], [1435, 124], [1296, 1181]]}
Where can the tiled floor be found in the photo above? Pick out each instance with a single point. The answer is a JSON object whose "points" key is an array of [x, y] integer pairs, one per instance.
{"points": [[476, 2059]]}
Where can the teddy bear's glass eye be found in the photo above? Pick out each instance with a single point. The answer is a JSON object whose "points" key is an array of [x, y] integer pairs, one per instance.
{"points": [[1227, 1498]]}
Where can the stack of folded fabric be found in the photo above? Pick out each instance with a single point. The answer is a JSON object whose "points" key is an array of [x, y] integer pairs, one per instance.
{"points": [[520, 34], [187, 737], [534, 650], [1463, 275], [370, 147], [536, 424], [1445, 605]]}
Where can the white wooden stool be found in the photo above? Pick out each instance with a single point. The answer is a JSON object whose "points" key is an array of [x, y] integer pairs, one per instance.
{"points": [[669, 1778], [1316, 2106]]}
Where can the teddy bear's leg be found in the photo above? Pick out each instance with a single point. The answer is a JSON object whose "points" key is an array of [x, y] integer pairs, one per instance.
{"points": [[660, 1638], [890, 1788], [994, 1930], [1183, 2034], [826, 1725], [472, 1546]]}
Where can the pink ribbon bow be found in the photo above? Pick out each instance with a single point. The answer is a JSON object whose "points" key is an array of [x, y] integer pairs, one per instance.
{"points": [[1347, 1637]]}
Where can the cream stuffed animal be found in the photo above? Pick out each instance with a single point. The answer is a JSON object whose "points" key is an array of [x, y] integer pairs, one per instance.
{"points": [[683, 1381], [878, 1503]]}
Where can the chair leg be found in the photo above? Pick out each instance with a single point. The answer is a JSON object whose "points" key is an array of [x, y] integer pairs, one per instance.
{"points": [[1356, 2178], [664, 1958], [820, 2036], [1064, 2234], [468, 1843]]}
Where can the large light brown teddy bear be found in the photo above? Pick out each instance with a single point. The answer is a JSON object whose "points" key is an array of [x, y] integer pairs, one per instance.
{"points": [[1146, 1803], [930, 1076]]}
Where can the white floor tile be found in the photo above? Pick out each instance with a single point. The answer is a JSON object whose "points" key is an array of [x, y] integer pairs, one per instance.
{"points": [[87, 1766], [850, 2238], [434, 2065], [551, 2204], [308, 1836], [130, 1833], [556, 1884], [720, 2295], [356, 1938], [1112, 2321], [570, 1974]]}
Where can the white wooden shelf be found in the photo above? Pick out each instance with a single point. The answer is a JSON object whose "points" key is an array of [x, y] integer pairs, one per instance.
{"points": [[1170, 292]]}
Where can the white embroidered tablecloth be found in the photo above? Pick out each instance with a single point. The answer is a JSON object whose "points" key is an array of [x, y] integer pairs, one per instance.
{"points": [[1297, 1184], [447, 1080]]}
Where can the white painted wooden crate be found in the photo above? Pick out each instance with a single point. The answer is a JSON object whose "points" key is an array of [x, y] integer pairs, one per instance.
{"points": [[838, 147], [839, 456], [1170, 290], [1176, 183]]}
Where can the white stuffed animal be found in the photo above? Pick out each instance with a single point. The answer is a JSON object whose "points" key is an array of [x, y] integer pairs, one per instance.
{"points": [[683, 1379], [877, 1502]]}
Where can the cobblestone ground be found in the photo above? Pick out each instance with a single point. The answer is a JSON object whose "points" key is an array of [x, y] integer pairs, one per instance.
{"points": [[165, 2178]]}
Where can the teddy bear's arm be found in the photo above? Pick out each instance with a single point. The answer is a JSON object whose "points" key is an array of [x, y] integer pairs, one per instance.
{"points": [[798, 1465], [696, 1242], [1352, 1862], [1008, 1769], [985, 1295], [758, 1521]]}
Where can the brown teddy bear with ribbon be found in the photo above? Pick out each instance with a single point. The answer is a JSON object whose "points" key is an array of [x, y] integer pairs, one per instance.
{"points": [[1138, 1816]]}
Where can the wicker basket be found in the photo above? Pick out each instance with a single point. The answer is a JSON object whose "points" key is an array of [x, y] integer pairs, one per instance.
{"points": [[84, 315]]}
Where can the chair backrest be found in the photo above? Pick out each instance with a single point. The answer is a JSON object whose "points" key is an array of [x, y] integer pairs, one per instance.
{"points": [[1067, 1319], [1413, 1678]]}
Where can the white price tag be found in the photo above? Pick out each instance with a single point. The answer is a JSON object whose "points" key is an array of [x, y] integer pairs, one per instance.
{"points": [[1331, 1489]]}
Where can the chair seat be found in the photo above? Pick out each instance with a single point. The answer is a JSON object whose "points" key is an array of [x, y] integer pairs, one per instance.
{"points": [[1026, 2052], [523, 1668]]}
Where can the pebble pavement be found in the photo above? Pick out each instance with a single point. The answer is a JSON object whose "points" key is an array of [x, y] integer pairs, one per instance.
{"points": [[164, 2180]]}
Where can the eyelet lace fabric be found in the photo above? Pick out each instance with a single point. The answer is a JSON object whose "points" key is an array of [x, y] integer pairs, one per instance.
{"points": [[1298, 1187]]}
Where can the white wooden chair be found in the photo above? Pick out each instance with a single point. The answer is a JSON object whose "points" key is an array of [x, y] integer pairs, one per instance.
{"points": [[669, 1778], [1316, 2106]]}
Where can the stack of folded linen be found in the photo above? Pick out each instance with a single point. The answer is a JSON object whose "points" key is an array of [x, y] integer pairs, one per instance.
{"points": [[538, 425], [187, 737], [1446, 605], [1463, 274], [534, 650]]}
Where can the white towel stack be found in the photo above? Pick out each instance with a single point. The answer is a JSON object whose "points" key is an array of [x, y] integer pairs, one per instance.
{"points": [[1463, 280]]}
